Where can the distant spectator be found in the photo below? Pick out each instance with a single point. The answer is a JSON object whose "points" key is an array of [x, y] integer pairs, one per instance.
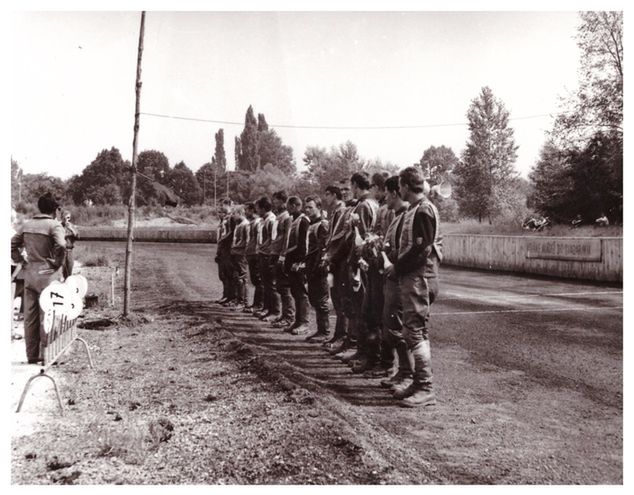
{"points": [[71, 235]]}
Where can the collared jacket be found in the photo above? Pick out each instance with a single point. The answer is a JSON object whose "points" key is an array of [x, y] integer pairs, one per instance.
{"points": [[42, 237]]}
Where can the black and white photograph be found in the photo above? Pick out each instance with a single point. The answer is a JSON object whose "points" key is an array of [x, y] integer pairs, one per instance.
{"points": [[282, 245]]}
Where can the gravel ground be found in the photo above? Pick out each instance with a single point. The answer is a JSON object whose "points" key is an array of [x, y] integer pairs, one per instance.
{"points": [[178, 400], [190, 393]]}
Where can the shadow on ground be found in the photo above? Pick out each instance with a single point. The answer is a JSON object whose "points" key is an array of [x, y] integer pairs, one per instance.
{"points": [[312, 360]]}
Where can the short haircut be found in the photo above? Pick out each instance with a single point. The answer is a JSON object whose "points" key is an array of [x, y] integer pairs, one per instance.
{"points": [[361, 180], [238, 210], [315, 199], [378, 180], [295, 201], [344, 185], [250, 206], [413, 178], [335, 191], [264, 203], [391, 185], [47, 203], [281, 195], [226, 202]]}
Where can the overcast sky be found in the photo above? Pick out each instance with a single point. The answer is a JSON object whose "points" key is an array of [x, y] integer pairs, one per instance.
{"points": [[73, 80]]}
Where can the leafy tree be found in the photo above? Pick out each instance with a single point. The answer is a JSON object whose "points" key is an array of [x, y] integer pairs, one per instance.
{"points": [[437, 162], [205, 177], [595, 172], [272, 151], [16, 182], [153, 167], [597, 105], [377, 165], [552, 183], [35, 185], [106, 180], [486, 170], [246, 152], [219, 153], [324, 168], [184, 184]]}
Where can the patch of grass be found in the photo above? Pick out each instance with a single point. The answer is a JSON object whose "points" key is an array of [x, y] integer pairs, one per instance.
{"points": [[131, 442], [508, 227]]}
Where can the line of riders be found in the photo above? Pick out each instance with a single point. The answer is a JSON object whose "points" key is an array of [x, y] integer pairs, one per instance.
{"points": [[376, 257], [540, 224]]}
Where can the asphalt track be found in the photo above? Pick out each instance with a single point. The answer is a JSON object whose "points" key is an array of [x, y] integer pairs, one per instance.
{"points": [[528, 370]]}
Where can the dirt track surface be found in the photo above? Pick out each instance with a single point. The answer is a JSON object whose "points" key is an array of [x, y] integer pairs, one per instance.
{"points": [[528, 374]]}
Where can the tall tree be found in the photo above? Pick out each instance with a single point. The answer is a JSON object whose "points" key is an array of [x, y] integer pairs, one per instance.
{"points": [[552, 183], [205, 177], [597, 106], [437, 162], [486, 170], [219, 153], [246, 153]]}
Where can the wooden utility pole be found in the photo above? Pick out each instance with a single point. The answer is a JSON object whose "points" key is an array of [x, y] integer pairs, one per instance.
{"points": [[132, 201]]}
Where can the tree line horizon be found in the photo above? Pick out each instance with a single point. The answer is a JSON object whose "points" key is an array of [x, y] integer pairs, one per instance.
{"points": [[578, 172]]}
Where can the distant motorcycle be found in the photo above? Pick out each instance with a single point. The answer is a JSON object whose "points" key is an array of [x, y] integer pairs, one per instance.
{"points": [[536, 225]]}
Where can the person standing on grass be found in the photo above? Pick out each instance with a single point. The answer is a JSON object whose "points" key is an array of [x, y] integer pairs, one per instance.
{"points": [[238, 258], [72, 234], [43, 240], [255, 234], [416, 268]]}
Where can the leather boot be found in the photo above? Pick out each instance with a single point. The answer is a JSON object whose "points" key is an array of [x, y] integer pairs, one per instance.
{"points": [[394, 380], [422, 393], [420, 398], [404, 389]]}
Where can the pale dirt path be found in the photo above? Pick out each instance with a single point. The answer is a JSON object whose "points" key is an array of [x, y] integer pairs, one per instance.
{"points": [[523, 397], [530, 397]]}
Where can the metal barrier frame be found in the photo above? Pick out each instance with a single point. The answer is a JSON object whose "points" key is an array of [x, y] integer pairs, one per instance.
{"points": [[62, 335]]}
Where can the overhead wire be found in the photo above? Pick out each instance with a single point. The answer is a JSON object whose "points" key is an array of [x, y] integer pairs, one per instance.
{"points": [[328, 127]]}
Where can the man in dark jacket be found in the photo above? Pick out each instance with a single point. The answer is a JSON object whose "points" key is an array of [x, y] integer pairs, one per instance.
{"points": [[419, 255], [44, 245]]}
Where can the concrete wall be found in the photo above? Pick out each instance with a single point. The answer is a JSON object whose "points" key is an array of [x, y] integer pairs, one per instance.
{"points": [[589, 258], [149, 234]]}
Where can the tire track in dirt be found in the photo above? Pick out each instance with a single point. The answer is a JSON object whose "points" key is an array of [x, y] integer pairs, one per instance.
{"points": [[496, 421]]}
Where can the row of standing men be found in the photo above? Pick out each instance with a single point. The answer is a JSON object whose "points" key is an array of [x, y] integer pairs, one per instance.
{"points": [[376, 258]]}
